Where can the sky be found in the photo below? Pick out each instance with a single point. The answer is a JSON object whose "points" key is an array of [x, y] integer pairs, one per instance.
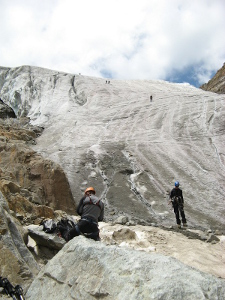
{"points": [[176, 40]]}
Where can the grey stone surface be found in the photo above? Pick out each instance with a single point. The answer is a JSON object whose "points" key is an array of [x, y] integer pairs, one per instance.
{"points": [[212, 238], [85, 269], [49, 240]]}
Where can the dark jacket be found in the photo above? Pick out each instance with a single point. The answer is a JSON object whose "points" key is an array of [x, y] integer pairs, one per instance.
{"points": [[91, 207], [177, 192]]}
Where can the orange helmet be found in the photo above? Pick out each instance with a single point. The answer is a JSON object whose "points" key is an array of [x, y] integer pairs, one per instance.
{"points": [[90, 189]]}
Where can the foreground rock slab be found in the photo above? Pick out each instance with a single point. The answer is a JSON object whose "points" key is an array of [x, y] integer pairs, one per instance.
{"points": [[190, 247], [51, 241], [85, 269]]}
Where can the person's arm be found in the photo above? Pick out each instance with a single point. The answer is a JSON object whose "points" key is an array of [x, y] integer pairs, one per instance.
{"points": [[80, 206], [100, 218], [182, 197], [171, 195]]}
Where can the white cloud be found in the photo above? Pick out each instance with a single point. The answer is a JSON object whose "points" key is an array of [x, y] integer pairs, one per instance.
{"points": [[145, 39]]}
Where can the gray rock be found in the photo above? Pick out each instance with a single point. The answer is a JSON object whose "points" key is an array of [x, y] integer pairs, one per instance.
{"points": [[49, 240], [212, 238], [85, 269], [129, 234], [121, 220]]}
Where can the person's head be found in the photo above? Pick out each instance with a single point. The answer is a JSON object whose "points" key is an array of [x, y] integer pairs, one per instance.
{"points": [[89, 191], [177, 184]]}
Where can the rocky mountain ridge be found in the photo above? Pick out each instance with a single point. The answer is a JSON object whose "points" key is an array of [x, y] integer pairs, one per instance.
{"points": [[217, 83]]}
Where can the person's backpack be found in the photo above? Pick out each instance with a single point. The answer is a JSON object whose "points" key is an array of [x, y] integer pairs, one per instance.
{"points": [[63, 227], [49, 225]]}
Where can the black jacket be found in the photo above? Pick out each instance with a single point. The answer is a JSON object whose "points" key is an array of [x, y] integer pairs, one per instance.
{"points": [[176, 192]]}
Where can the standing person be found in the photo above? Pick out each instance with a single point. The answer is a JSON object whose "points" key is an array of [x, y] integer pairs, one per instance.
{"points": [[176, 197], [91, 210]]}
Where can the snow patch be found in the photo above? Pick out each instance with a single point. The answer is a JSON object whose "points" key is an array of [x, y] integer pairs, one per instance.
{"points": [[222, 238], [96, 149], [93, 174], [133, 176], [142, 188], [84, 182]]}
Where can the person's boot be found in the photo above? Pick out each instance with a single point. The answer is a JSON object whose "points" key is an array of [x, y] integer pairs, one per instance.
{"points": [[178, 226], [185, 224]]}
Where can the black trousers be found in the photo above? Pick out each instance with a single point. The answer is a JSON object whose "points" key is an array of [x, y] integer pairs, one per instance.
{"points": [[85, 227], [179, 210]]}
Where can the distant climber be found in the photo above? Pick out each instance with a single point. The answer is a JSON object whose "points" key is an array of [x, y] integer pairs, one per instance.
{"points": [[91, 210], [176, 197], [150, 98]]}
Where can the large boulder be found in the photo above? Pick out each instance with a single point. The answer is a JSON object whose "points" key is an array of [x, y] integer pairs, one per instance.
{"points": [[51, 241], [85, 269]]}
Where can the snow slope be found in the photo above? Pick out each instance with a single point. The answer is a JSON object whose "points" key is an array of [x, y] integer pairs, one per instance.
{"points": [[111, 136]]}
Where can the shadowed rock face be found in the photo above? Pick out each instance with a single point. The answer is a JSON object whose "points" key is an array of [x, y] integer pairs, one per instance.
{"points": [[131, 150], [217, 83], [34, 187], [6, 111]]}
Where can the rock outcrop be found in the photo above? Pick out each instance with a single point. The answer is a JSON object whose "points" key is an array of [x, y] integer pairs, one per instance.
{"points": [[31, 189], [34, 187], [217, 83], [85, 269], [6, 111]]}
